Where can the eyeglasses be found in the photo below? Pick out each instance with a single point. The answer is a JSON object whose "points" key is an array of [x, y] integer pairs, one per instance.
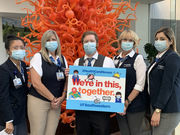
{"points": [[125, 39]]}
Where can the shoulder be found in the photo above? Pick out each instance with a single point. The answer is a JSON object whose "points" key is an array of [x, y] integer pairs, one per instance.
{"points": [[76, 62], [107, 58], [139, 57], [37, 55], [172, 57]]}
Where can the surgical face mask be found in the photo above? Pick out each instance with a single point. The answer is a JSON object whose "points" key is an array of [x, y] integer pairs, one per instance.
{"points": [[51, 46], [127, 46], [90, 47], [18, 54], [118, 97], [160, 45]]}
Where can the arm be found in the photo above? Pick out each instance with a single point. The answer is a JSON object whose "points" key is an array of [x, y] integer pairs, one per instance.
{"points": [[171, 71], [140, 67], [39, 86], [5, 102]]}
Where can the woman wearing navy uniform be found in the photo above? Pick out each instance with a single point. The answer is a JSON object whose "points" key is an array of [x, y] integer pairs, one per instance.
{"points": [[48, 81], [131, 120], [163, 84], [13, 88]]}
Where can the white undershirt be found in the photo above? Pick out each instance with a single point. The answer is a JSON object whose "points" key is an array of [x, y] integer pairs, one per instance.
{"points": [[36, 63], [107, 61], [140, 67]]}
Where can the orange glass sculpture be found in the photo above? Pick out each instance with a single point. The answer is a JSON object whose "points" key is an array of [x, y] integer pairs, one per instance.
{"points": [[70, 19]]}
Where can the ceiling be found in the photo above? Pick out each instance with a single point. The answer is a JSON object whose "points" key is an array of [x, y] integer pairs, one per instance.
{"points": [[141, 1]]}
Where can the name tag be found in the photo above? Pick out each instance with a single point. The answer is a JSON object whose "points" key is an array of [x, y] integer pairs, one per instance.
{"points": [[160, 67], [127, 65], [59, 75], [17, 83]]}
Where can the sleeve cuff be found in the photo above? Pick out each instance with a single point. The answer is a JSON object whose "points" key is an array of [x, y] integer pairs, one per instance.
{"points": [[9, 121], [138, 87]]}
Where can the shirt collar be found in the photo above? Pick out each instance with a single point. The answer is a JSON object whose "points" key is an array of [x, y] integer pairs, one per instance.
{"points": [[159, 55], [131, 54], [53, 57], [95, 56]]}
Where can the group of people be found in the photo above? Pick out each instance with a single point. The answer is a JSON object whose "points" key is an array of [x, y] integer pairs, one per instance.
{"points": [[156, 87]]}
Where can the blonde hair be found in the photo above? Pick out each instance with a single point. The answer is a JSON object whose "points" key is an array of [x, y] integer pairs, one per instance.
{"points": [[44, 51], [169, 33], [133, 35]]}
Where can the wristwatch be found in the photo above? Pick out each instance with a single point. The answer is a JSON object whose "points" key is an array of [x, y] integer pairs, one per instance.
{"points": [[129, 102], [158, 110]]}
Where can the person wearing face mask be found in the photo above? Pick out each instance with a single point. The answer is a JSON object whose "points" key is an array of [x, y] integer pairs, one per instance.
{"points": [[131, 120], [163, 84], [13, 88], [48, 89], [92, 122]]}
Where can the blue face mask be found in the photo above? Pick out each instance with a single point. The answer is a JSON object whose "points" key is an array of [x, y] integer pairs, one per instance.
{"points": [[51, 46], [18, 54], [160, 45], [127, 46], [90, 47], [118, 97]]}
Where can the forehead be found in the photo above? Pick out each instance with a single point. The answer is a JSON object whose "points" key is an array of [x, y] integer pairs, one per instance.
{"points": [[89, 37], [16, 43], [127, 35], [161, 34]]}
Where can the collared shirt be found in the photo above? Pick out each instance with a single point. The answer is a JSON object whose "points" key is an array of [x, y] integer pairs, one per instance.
{"points": [[139, 66], [36, 63], [107, 61], [158, 56]]}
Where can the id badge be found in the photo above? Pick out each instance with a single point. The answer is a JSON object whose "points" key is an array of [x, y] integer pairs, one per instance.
{"points": [[59, 75], [17, 83]]}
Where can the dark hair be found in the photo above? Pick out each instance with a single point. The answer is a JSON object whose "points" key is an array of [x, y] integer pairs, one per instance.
{"points": [[89, 33], [10, 39], [118, 93], [76, 71]]}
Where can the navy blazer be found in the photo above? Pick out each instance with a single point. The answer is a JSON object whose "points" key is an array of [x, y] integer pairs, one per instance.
{"points": [[12, 100], [164, 83]]}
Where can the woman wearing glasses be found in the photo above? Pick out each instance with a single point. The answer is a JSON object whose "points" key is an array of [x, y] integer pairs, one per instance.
{"points": [[131, 120], [13, 88]]}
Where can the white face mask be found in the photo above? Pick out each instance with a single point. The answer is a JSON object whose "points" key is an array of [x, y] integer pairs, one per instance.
{"points": [[51, 46], [18, 54], [90, 47], [160, 45], [127, 46]]}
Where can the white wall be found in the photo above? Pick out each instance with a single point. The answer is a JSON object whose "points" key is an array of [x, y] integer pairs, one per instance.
{"points": [[141, 25], [160, 10], [8, 8]]}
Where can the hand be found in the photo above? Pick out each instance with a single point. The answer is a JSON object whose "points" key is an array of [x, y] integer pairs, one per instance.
{"points": [[54, 103], [66, 72], [9, 128], [125, 108], [155, 119]]}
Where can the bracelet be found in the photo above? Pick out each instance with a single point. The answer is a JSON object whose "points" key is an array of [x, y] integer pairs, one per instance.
{"points": [[129, 102]]}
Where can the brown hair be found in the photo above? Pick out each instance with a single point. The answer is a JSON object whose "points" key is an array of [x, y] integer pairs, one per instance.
{"points": [[169, 33], [89, 33]]}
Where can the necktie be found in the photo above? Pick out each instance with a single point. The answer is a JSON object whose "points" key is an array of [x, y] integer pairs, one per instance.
{"points": [[156, 59], [22, 72], [89, 61], [58, 61]]}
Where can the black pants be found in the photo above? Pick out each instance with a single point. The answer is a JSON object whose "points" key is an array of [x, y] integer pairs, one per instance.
{"points": [[91, 122]]}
